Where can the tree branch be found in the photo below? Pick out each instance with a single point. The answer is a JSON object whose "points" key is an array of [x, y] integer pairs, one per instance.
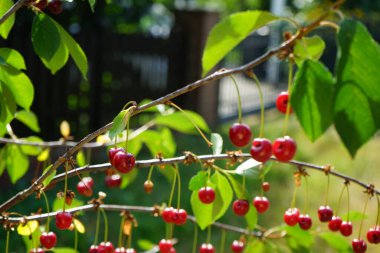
{"points": [[12, 10]]}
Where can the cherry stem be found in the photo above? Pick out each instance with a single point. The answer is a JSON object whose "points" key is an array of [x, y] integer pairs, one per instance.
{"points": [[364, 211], [47, 209], [378, 209], [223, 240], [105, 224], [262, 109], [129, 242], [121, 231], [150, 172], [7, 242], [340, 200], [75, 239], [348, 203], [293, 203], [208, 239], [243, 190], [129, 103], [179, 188], [173, 188], [290, 81], [195, 240], [209, 143], [127, 129], [97, 227], [65, 190], [306, 196], [240, 114], [328, 188]]}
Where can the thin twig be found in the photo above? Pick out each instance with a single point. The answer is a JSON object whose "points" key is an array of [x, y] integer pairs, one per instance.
{"points": [[12, 10]]}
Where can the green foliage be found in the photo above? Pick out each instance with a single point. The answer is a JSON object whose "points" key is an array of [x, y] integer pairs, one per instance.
{"points": [[251, 217], [50, 177], [180, 121], [198, 181], [255, 246], [336, 241], [357, 102], [308, 48], [33, 240], [312, 98], [119, 124], [6, 27], [64, 250], [299, 240], [80, 158], [17, 162], [31, 150], [229, 33], [12, 58], [58, 204], [29, 119], [206, 214], [54, 45]]}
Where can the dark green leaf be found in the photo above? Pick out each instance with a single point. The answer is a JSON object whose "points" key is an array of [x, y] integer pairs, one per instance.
{"points": [[206, 214], [308, 48], [217, 143], [76, 52], [357, 103], [47, 180], [3, 159], [249, 168], [17, 163], [229, 33], [312, 98], [48, 44], [6, 27], [181, 122], [29, 119], [12, 58], [198, 181], [336, 241], [19, 86], [119, 123], [92, 4], [31, 150]]}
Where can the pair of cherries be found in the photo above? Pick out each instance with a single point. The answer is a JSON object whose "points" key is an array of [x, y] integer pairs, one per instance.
{"points": [[166, 246], [103, 247], [121, 160], [175, 216]]}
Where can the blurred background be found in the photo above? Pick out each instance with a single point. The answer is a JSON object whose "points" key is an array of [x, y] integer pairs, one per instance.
{"points": [[141, 49]]}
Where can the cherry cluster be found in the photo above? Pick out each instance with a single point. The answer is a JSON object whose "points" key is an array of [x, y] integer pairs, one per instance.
{"points": [[54, 6]]}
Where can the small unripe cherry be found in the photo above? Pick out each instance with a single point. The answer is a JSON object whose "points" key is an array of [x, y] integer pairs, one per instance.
{"points": [[265, 186], [148, 186]]}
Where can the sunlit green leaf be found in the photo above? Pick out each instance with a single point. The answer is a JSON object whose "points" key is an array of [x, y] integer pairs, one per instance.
{"points": [[17, 163], [251, 217], [12, 58], [80, 158], [159, 142], [353, 216], [7, 105], [92, 4], [302, 237], [28, 228], [79, 226], [31, 150], [336, 241], [229, 33], [119, 123], [217, 143], [145, 244], [181, 122], [6, 27], [29, 119], [44, 155], [47, 180], [256, 246], [308, 48], [3, 159], [198, 181], [64, 250], [58, 204], [34, 240]]}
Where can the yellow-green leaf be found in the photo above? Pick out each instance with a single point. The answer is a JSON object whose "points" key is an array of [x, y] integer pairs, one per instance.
{"points": [[79, 226], [6, 27], [44, 155], [28, 228]]}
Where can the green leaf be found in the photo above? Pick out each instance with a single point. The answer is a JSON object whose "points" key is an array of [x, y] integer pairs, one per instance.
{"points": [[336, 241], [229, 33], [6, 27], [251, 217], [145, 244], [354, 216], [236, 186], [248, 168], [76, 52], [44, 155], [48, 43], [17, 163], [256, 246], [312, 98], [29, 119], [47, 180], [159, 142], [34, 240], [119, 124], [92, 4], [198, 181], [217, 143], [7, 106], [181, 123], [58, 204], [64, 250], [81, 159], [12, 58], [357, 103], [19, 86], [28, 228], [302, 237], [3, 159], [308, 48], [31, 150], [206, 214]]}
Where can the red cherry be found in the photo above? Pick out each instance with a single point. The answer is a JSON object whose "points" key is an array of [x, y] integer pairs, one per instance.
{"points": [[88, 181], [240, 134], [261, 149], [121, 250], [291, 216], [84, 189], [304, 221], [261, 204], [130, 250], [206, 248], [63, 220], [55, 7], [167, 214], [237, 246], [359, 246], [48, 240], [265, 186], [325, 213], [93, 249], [179, 216], [373, 235], [39, 250], [106, 247], [284, 148], [240, 207], [206, 195], [124, 162], [165, 246], [112, 152], [282, 102], [335, 223], [346, 228], [113, 180]]}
